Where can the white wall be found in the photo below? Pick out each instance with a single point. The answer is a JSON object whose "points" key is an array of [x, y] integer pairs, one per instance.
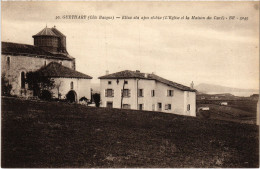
{"points": [[117, 87], [178, 101], [190, 98], [80, 86]]}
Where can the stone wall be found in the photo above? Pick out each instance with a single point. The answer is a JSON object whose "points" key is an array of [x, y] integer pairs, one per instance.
{"points": [[18, 64]]}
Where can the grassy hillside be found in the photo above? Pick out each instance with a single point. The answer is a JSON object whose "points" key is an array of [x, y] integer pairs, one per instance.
{"points": [[242, 111], [41, 134]]}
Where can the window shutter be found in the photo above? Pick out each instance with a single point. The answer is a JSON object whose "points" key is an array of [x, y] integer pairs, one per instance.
{"points": [[166, 107], [106, 92], [129, 92], [112, 93]]}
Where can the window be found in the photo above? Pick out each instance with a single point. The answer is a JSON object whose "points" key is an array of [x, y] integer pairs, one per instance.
{"points": [[152, 93], [61, 63], [141, 106], [140, 93], [168, 106], [126, 82], [8, 61], [109, 93], [109, 82], [188, 107], [126, 93], [126, 106], [22, 80], [45, 63], [71, 85], [169, 92], [159, 106]]}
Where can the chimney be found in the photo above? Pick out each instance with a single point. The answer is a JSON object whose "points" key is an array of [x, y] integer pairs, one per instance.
{"points": [[107, 72], [137, 71], [192, 85], [145, 75]]}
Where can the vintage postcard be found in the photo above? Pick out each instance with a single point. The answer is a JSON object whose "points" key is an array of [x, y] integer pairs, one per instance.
{"points": [[91, 84]]}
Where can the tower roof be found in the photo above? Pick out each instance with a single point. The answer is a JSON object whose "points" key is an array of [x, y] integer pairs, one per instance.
{"points": [[46, 32], [57, 32]]}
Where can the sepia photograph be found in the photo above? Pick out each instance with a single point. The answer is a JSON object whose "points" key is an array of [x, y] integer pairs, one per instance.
{"points": [[128, 84]]}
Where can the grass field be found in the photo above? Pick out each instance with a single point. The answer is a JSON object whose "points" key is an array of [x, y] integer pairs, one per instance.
{"points": [[50, 134], [242, 111]]}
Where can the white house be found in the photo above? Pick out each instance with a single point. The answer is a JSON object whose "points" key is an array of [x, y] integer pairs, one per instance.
{"points": [[49, 56], [135, 90], [223, 103]]}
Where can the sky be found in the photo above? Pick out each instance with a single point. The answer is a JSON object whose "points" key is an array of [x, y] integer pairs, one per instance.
{"points": [[220, 52]]}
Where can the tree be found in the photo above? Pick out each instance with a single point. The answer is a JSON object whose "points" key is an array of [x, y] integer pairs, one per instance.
{"points": [[38, 83], [96, 98], [57, 86], [6, 86]]}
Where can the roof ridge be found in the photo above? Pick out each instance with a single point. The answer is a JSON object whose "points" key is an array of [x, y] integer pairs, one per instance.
{"points": [[151, 76], [46, 32], [54, 69], [20, 48]]}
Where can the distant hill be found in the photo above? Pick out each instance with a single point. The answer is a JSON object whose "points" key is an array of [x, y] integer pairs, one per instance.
{"points": [[217, 89]]}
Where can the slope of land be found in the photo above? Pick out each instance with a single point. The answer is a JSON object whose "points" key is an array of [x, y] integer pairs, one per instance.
{"points": [[50, 134], [241, 111]]}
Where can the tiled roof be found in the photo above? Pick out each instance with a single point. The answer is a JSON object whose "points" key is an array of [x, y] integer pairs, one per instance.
{"points": [[127, 74], [54, 69], [30, 50], [46, 32], [57, 32]]}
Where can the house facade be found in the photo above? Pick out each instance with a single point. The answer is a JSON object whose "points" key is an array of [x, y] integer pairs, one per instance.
{"points": [[142, 91], [49, 56]]}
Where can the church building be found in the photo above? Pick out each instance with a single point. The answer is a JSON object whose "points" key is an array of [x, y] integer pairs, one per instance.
{"points": [[48, 56]]}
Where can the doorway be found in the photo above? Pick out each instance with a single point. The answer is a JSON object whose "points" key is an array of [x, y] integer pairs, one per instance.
{"points": [[109, 104], [71, 96]]}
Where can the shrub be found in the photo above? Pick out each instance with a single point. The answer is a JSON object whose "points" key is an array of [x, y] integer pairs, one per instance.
{"points": [[83, 99], [38, 82], [46, 95], [6, 86], [96, 98]]}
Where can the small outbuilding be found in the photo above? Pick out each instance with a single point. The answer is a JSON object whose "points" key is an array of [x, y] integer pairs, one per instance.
{"points": [[223, 103]]}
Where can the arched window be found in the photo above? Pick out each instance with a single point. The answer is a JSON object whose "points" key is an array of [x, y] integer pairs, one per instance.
{"points": [[71, 85], [22, 80]]}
